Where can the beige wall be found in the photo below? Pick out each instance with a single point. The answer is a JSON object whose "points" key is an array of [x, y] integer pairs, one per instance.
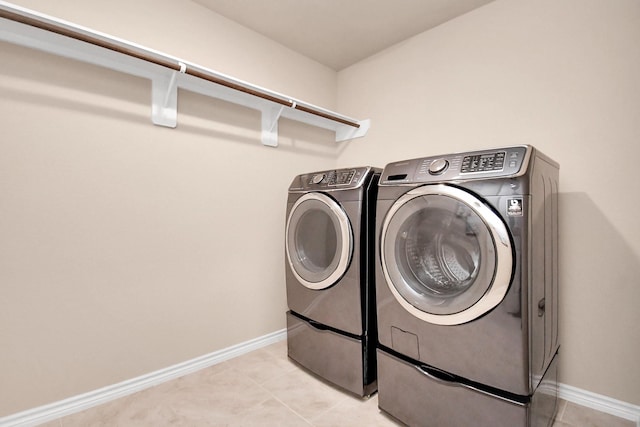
{"points": [[563, 76], [126, 247]]}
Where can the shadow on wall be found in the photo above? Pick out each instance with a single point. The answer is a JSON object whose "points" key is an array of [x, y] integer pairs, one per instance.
{"points": [[599, 294], [209, 117], [81, 88], [31, 77]]}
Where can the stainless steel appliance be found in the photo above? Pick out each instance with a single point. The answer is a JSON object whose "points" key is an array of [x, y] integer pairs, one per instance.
{"points": [[329, 275], [467, 289]]}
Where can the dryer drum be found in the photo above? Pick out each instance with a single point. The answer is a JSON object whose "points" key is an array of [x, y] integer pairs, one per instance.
{"points": [[317, 241]]}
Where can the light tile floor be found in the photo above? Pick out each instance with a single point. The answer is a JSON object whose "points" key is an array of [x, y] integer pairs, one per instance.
{"points": [[264, 388]]}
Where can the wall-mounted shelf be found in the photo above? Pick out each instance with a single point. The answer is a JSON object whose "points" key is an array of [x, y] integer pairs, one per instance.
{"points": [[167, 73]]}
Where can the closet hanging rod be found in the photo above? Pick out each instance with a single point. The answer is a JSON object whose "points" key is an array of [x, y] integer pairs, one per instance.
{"points": [[171, 63]]}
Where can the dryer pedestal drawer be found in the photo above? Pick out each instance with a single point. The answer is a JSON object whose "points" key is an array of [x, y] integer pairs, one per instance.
{"points": [[333, 356], [417, 399]]}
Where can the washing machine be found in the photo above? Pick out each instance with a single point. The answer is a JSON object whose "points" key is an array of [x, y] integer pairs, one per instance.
{"points": [[467, 289], [331, 329]]}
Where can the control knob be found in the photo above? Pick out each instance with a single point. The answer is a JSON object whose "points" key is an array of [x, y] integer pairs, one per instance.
{"points": [[438, 166], [317, 179]]}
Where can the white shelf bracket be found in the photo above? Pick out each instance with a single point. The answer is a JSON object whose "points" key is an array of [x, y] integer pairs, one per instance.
{"points": [[270, 117], [164, 98], [345, 133]]}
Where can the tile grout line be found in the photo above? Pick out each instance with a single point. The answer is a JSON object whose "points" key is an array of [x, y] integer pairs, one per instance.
{"points": [[330, 408], [561, 410], [293, 368], [283, 404], [273, 396]]}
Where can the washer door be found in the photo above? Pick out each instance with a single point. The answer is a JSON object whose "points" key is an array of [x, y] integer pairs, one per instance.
{"points": [[446, 256], [319, 241]]}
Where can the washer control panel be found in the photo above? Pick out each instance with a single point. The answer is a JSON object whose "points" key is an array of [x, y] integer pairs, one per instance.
{"points": [[334, 177], [331, 179], [493, 163]]}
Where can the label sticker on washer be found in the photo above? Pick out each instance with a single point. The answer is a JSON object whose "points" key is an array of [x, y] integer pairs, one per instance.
{"points": [[514, 207]]}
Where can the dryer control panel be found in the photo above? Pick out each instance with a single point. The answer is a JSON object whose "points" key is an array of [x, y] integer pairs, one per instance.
{"points": [[494, 163], [334, 179]]}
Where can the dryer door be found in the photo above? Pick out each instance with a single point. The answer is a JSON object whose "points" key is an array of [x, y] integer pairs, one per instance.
{"points": [[446, 255], [319, 240]]}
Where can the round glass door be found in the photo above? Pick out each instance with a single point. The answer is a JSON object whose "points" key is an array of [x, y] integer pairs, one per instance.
{"points": [[318, 241], [446, 256]]}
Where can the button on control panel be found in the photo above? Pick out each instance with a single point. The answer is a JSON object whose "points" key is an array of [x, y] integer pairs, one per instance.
{"points": [[341, 177], [483, 162]]}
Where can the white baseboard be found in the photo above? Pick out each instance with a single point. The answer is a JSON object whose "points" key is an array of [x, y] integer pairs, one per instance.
{"points": [[600, 403], [42, 414]]}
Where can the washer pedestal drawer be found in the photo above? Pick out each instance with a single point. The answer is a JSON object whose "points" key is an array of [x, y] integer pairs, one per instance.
{"points": [[335, 357], [417, 399]]}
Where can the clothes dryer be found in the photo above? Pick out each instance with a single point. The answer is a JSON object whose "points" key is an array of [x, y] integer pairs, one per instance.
{"points": [[331, 327], [467, 289]]}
